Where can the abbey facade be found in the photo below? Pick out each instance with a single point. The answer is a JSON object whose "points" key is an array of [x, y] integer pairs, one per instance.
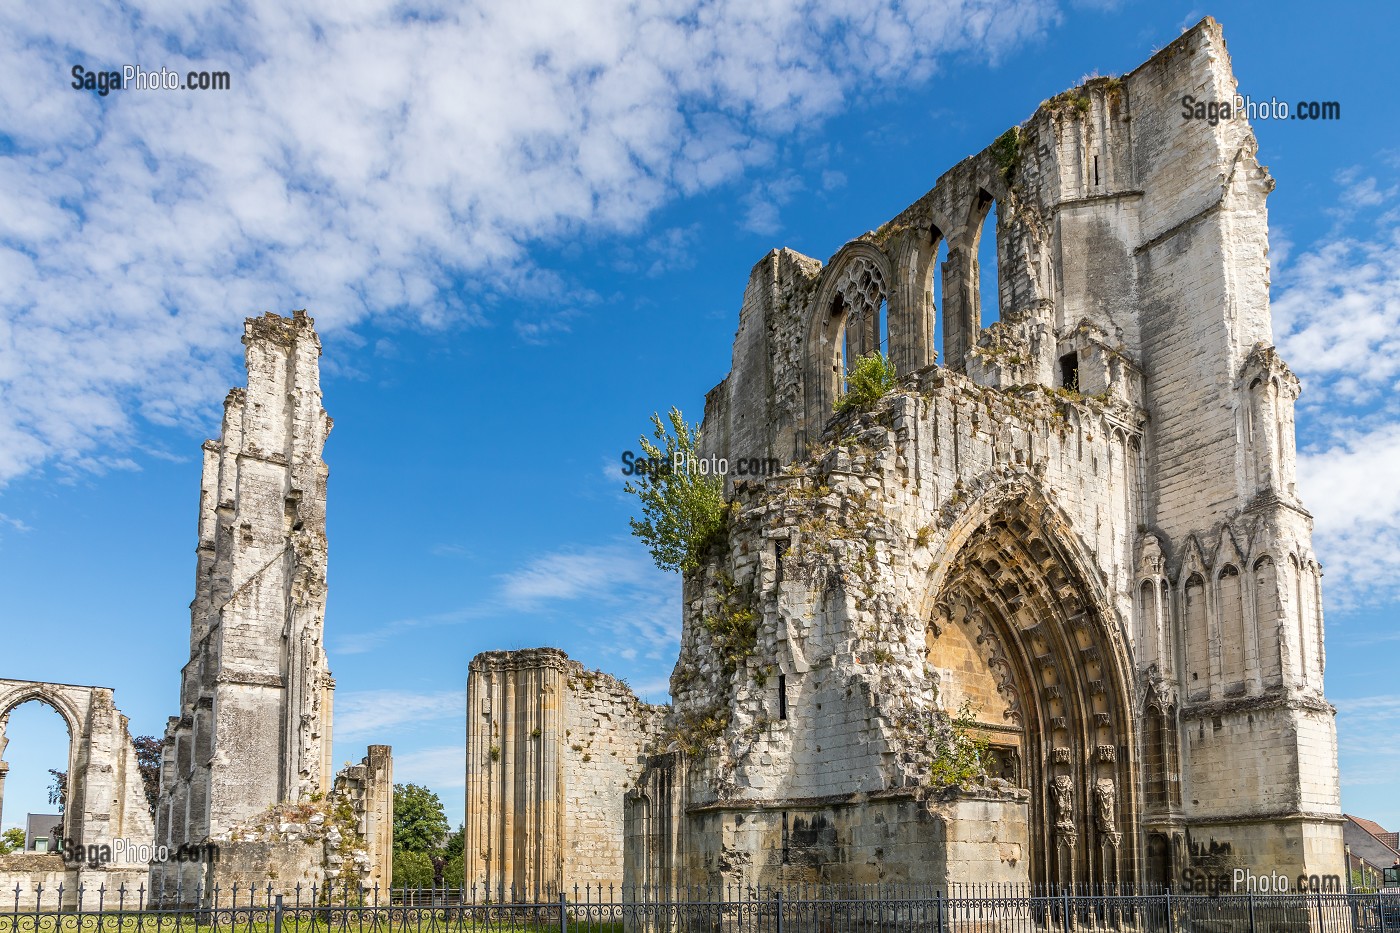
{"points": [[1075, 531]]}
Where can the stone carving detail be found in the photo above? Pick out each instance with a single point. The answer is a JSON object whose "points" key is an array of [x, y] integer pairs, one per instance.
{"points": [[1062, 793], [1105, 805], [1010, 479], [1151, 560]]}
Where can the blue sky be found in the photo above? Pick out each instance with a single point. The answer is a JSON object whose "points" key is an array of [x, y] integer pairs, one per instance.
{"points": [[521, 230]]}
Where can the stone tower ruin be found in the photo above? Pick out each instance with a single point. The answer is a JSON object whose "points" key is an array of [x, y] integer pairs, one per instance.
{"points": [[254, 729], [1078, 525]]}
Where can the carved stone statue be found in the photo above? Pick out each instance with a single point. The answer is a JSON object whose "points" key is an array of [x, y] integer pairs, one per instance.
{"points": [[1062, 790], [1105, 803]]}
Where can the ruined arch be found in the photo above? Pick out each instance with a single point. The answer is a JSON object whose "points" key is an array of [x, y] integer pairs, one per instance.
{"points": [[1020, 583], [853, 286], [914, 326], [983, 206], [14, 694], [105, 796]]}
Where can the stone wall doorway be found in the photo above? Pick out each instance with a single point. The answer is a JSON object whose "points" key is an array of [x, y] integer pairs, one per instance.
{"points": [[1017, 631]]}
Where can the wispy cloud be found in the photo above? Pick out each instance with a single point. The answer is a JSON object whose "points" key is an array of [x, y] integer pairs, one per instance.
{"points": [[373, 713], [1337, 322], [598, 573], [381, 158], [438, 767], [1367, 742], [361, 642], [612, 591]]}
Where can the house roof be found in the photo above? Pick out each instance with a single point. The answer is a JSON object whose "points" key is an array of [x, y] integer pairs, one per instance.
{"points": [[1371, 842]]}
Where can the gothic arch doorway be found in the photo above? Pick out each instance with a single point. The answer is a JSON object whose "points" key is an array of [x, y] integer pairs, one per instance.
{"points": [[29, 698], [1019, 630]]}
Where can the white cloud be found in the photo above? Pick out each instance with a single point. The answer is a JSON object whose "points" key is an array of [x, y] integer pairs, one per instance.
{"points": [[1337, 320], [373, 713], [632, 609], [592, 573], [372, 158], [1337, 323], [437, 767], [1353, 490], [1366, 736]]}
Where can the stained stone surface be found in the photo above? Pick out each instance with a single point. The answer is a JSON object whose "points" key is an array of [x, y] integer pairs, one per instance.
{"points": [[1079, 525], [254, 730]]}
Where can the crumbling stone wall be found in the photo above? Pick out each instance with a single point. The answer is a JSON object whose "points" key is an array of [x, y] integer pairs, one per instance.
{"points": [[367, 790], [550, 748], [106, 798], [1089, 506], [1082, 520], [254, 730]]}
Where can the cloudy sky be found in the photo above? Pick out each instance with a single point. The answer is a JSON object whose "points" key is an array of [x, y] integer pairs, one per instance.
{"points": [[522, 228]]}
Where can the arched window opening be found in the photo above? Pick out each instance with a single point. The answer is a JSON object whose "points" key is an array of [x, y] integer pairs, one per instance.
{"points": [[988, 279], [1154, 759], [882, 324], [1232, 650], [1269, 611], [35, 744], [1197, 637], [842, 364], [940, 259]]}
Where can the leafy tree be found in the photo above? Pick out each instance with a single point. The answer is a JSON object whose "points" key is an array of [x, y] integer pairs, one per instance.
{"points": [[454, 872], [683, 511], [419, 822], [58, 789], [411, 869], [958, 752], [148, 756], [870, 379], [12, 840]]}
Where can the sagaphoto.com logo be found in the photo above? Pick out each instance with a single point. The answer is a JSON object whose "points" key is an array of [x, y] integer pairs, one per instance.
{"points": [[1243, 107], [134, 77]]}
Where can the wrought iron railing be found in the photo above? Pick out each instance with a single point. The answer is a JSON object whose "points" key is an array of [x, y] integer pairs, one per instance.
{"points": [[595, 909]]}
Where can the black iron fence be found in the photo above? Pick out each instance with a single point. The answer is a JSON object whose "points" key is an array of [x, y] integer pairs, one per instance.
{"points": [[791, 909]]}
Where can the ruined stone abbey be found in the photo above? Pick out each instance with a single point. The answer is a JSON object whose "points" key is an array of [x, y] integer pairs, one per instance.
{"points": [[1070, 537], [246, 766], [1079, 523]]}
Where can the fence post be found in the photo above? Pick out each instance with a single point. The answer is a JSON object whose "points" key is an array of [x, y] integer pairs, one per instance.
{"points": [[1171, 923], [1380, 910], [1251, 912], [563, 912], [1064, 905], [778, 901], [937, 911], [277, 914]]}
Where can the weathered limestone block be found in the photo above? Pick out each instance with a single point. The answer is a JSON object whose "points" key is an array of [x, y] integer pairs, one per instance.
{"points": [[254, 730], [106, 798], [551, 747], [1082, 529]]}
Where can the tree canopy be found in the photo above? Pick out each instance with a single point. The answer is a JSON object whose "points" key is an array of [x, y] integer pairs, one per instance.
{"points": [[683, 509]]}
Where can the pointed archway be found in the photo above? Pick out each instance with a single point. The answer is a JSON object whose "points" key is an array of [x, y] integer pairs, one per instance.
{"points": [[1021, 630]]}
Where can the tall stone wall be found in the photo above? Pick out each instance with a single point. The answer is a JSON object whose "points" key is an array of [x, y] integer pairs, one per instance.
{"points": [[254, 730], [550, 748], [1082, 520]]}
